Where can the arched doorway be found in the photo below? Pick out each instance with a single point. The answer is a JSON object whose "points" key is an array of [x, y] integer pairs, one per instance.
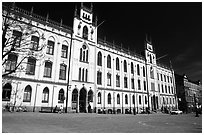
{"points": [[82, 100]]}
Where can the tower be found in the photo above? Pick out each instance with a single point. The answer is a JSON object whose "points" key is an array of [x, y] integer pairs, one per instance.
{"points": [[84, 26]]}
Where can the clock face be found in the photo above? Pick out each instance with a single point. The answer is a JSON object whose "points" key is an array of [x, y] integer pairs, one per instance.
{"points": [[84, 46]]}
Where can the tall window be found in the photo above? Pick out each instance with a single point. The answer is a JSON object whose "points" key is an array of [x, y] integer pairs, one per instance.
{"points": [[61, 96], [118, 98], [109, 98], [31, 66], [85, 32], [45, 96], [108, 61], [126, 99], [50, 47], [162, 88], [164, 78], [161, 77], [168, 79], [64, 51], [48, 69], [27, 94], [145, 99], [138, 69], [99, 78], [125, 66], [158, 76], [151, 72], [140, 100], [117, 64], [34, 42], [165, 89], [139, 85], [79, 74], [132, 83], [125, 82], [132, 68], [133, 99], [143, 71], [169, 89], [159, 87], [99, 98], [108, 79], [99, 60], [6, 93], [144, 83], [82, 74], [84, 53], [86, 77], [17, 36], [62, 74], [11, 62], [152, 86], [117, 81], [172, 90]]}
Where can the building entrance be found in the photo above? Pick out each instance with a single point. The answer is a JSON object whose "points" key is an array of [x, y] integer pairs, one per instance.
{"points": [[82, 100]]}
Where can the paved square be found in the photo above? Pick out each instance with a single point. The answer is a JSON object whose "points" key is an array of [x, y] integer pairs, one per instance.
{"points": [[99, 123]]}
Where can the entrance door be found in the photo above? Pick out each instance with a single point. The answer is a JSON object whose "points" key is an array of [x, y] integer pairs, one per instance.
{"points": [[82, 100]]}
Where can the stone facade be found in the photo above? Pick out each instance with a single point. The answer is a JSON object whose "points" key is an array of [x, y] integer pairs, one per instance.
{"points": [[103, 77]]}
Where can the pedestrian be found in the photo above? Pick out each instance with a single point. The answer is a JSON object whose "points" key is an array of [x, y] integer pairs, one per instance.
{"points": [[61, 109]]}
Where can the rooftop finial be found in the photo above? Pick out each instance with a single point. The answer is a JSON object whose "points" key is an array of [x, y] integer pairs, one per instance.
{"points": [[75, 11]]}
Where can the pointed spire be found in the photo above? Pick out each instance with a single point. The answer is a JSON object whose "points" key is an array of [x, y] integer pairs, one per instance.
{"points": [[47, 17], [61, 23], [75, 11], [31, 12], [82, 5], [96, 20], [91, 6]]}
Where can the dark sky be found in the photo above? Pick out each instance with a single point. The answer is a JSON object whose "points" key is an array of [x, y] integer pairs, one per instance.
{"points": [[175, 28]]}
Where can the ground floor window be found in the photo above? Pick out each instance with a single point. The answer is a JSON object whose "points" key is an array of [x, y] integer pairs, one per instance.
{"points": [[6, 93]]}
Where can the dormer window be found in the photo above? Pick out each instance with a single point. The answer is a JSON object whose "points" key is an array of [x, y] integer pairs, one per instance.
{"points": [[85, 32]]}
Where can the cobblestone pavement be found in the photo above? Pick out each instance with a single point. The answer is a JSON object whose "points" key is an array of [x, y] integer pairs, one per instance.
{"points": [[28, 122]]}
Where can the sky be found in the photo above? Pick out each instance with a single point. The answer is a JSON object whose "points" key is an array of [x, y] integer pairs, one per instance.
{"points": [[175, 28]]}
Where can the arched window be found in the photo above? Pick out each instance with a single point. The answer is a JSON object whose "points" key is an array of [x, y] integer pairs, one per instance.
{"points": [[74, 95], [150, 58], [108, 61], [125, 66], [99, 77], [45, 96], [117, 64], [90, 96], [61, 96], [99, 60], [48, 69], [50, 47], [64, 51], [109, 98], [85, 32], [118, 98], [62, 74], [126, 99], [133, 99], [31, 66], [143, 71], [84, 53], [99, 98], [132, 68], [27, 94], [138, 69], [83, 74], [6, 93], [17, 37], [140, 100], [11, 62], [34, 43]]}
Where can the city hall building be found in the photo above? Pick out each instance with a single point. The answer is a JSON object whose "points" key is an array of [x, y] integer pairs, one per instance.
{"points": [[82, 72]]}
